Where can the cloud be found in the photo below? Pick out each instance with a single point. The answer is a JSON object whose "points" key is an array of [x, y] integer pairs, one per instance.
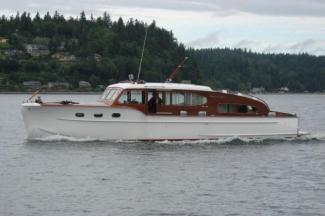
{"points": [[277, 7], [210, 40], [312, 46], [261, 7], [260, 25], [217, 7], [305, 44], [247, 44], [316, 47]]}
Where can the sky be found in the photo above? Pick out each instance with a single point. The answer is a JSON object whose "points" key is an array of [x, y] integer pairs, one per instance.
{"points": [[277, 26]]}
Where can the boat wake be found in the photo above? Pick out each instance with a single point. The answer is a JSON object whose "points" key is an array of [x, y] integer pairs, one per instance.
{"points": [[245, 140], [314, 137], [59, 138]]}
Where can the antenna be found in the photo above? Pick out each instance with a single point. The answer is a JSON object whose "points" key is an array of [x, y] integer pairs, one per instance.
{"points": [[175, 71], [144, 44]]}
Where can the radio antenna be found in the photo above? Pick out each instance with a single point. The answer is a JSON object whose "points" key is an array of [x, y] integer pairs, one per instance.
{"points": [[144, 44]]}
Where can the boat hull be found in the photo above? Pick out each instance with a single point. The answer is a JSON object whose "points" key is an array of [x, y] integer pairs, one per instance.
{"points": [[107, 123]]}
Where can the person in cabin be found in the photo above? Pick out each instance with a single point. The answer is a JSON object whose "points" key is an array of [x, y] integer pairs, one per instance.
{"points": [[153, 102], [38, 100]]}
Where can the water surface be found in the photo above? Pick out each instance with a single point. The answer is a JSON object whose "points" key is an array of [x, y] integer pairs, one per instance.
{"points": [[226, 177]]}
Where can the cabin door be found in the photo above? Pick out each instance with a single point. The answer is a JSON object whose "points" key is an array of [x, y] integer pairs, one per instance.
{"points": [[158, 102], [153, 101]]}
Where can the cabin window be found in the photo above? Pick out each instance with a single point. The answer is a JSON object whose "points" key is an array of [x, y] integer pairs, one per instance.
{"points": [[236, 108], [178, 98], [110, 94], [132, 97], [194, 99], [232, 108], [104, 94], [223, 108], [123, 98], [166, 98], [251, 109]]}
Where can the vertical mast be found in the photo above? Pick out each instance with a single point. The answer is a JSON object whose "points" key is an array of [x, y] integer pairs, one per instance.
{"points": [[144, 44]]}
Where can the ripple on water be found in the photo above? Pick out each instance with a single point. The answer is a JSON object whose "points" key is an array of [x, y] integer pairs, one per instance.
{"points": [[229, 140], [232, 176]]}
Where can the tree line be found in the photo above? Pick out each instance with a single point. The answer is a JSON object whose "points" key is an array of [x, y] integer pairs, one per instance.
{"points": [[117, 45], [242, 70], [106, 51]]}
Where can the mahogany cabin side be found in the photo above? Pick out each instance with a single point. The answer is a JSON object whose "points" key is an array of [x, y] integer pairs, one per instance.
{"points": [[178, 102]]}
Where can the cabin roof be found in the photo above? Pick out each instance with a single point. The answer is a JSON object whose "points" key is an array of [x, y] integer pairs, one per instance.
{"points": [[161, 86]]}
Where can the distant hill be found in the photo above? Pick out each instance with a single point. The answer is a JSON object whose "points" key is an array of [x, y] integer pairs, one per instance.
{"points": [[243, 70], [100, 51], [55, 51]]}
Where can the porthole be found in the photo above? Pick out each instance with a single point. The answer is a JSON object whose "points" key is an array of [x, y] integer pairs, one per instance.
{"points": [[116, 115], [98, 115], [80, 115]]}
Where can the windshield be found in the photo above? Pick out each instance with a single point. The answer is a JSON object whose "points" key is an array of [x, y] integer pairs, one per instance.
{"points": [[110, 94]]}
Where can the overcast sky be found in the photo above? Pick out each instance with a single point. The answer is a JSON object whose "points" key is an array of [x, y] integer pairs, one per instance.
{"points": [[292, 26]]}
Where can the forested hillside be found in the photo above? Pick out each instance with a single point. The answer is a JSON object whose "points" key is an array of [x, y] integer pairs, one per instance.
{"points": [[100, 51], [55, 49], [242, 70]]}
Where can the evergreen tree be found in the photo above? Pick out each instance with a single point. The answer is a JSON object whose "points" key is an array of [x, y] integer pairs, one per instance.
{"points": [[103, 51]]}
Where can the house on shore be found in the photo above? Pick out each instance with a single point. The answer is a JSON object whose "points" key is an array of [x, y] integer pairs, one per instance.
{"points": [[58, 85], [283, 89], [3, 40], [32, 84], [257, 90], [64, 57], [97, 57], [37, 50], [13, 53], [84, 84]]}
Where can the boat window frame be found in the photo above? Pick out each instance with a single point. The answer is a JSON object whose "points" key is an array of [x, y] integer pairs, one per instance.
{"points": [[180, 93], [162, 95], [127, 102], [167, 97], [191, 93], [238, 105], [169, 93], [113, 96]]}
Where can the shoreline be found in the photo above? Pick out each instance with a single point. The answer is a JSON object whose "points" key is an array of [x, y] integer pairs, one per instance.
{"points": [[100, 92], [53, 92]]}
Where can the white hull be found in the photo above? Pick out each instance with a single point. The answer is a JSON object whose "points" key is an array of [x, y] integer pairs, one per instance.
{"points": [[42, 121]]}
